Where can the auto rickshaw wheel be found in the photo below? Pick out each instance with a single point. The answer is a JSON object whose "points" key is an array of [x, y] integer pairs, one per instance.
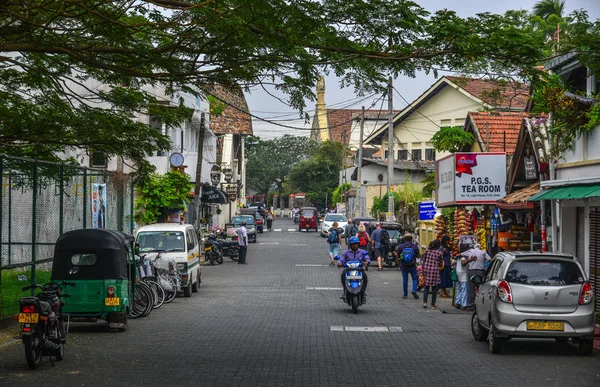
{"points": [[124, 328]]}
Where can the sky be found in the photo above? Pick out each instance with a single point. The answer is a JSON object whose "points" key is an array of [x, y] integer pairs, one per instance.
{"points": [[263, 105]]}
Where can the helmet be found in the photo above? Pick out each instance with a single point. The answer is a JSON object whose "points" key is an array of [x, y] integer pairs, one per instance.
{"points": [[353, 239]]}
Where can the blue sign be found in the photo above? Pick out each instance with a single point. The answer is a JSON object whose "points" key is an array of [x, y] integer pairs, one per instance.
{"points": [[427, 210]]}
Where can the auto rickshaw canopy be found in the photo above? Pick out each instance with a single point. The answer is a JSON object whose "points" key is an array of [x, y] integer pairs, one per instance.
{"points": [[91, 254]]}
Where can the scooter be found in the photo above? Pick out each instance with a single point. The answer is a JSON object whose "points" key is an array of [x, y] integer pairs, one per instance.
{"points": [[296, 218], [354, 280]]}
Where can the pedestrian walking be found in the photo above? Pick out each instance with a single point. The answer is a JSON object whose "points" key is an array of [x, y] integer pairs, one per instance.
{"points": [[270, 218], [475, 258], [350, 230], [334, 238], [461, 300], [446, 273], [242, 234], [377, 244], [432, 259], [408, 252]]}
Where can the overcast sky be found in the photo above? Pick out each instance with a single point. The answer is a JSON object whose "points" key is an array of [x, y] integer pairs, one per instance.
{"points": [[265, 106]]}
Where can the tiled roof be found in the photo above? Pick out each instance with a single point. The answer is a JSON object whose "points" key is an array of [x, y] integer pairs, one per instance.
{"points": [[499, 94], [521, 195], [234, 119], [340, 121], [403, 164], [503, 129]]}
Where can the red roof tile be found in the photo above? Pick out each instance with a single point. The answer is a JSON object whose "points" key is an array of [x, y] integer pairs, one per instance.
{"points": [[503, 129], [235, 118], [340, 121], [499, 94]]}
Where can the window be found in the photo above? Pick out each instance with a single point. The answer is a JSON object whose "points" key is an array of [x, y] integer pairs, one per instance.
{"points": [[416, 154], [430, 154], [161, 241], [459, 122], [84, 259], [447, 122], [98, 159], [544, 272], [335, 218], [403, 154]]}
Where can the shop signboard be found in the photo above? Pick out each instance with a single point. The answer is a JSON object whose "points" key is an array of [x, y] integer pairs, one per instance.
{"points": [[427, 210], [530, 168], [471, 179]]}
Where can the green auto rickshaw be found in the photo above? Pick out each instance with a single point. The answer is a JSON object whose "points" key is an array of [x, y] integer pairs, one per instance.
{"points": [[102, 264]]}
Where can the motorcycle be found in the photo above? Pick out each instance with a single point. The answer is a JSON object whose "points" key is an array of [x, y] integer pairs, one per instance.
{"points": [[354, 280], [296, 218], [212, 250], [229, 248], [44, 327]]}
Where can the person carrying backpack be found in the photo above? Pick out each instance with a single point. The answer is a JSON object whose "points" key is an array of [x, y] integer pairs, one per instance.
{"points": [[408, 253], [334, 238], [363, 238], [349, 231]]}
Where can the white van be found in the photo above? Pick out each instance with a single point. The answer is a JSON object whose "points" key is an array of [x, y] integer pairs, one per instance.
{"points": [[176, 241]]}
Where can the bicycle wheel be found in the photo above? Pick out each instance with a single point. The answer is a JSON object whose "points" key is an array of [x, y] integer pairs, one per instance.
{"points": [[150, 300], [159, 291]]}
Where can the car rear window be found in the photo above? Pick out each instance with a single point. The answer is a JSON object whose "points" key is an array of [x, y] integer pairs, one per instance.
{"points": [[335, 218], [544, 272]]}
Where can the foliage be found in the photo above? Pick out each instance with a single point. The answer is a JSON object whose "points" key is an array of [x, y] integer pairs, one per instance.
{"points": [[545, 8], [451, 139], [336, 197], [380, 205], [318, 175], [161, 192], [410, 195], [428, 184], [269, 162], [570, 117]]}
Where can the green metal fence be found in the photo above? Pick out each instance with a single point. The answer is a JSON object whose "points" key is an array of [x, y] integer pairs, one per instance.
{"points": [[38, 202]]}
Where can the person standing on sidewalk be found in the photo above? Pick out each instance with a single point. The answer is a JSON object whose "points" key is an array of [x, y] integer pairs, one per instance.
{"points": [[334, 238], [446, 273], [408, 252], [432, 259], [475, 258], [462, 292], [377, 243], [242, 234]]}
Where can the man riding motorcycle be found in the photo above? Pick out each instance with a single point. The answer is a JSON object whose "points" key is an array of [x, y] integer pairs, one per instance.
{"points": [[354, 254]]}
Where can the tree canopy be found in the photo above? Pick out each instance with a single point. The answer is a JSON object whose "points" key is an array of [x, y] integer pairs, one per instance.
{"points": [[54, 54], [269, 162]]}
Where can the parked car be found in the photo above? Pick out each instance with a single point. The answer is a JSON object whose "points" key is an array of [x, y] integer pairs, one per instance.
{"points": [[328, 221], [258, 218], [250, 225], [534, 295]]}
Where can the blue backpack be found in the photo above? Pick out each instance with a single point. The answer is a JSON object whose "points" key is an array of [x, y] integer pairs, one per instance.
{"points": [[408, 256], [333, 237]]}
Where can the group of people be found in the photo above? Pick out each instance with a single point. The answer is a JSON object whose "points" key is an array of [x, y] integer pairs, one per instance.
{"points": [[435, 268]]}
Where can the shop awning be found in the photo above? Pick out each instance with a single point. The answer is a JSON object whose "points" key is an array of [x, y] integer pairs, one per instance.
{"points": [[214, 195], [567, 193], [518, 199]]}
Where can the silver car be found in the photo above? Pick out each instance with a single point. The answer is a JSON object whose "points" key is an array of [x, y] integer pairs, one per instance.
{"points": [[534, 295]]}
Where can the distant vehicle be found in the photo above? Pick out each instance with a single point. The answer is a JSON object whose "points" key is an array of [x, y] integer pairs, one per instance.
{"points": [[534, 295], [328, 221], [308, 219], [258, 218], [250, 225]]}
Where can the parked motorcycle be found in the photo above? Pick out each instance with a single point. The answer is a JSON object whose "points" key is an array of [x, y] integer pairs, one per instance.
{"points": [[212, 251], [354, 280], [43, 325], [229, 247]]}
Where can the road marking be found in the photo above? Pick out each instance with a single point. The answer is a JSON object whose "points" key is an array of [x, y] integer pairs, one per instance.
{"points": [[291, 229], [386, 283], [317, 288], [277, 229], [337, 328], [299, 244], [268, 243], [309, 265]]}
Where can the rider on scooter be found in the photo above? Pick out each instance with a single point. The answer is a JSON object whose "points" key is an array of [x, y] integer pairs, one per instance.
{"points": [[354, 254]]}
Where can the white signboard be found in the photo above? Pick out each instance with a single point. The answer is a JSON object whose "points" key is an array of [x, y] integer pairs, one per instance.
{"points": [[471, 179], [480, 178], [444, 172]]}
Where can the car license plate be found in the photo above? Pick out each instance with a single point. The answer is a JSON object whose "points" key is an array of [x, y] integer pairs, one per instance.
{"points": [[545, 326], [112, 301], [28, 317], [207, 248]]}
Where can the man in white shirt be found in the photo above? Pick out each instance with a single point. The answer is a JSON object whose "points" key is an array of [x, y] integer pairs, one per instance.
{"points": [[475, 258], [242, 234]]}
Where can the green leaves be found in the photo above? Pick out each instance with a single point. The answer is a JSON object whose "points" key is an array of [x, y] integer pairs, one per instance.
{"points": [[159, 193], [451, 139]]}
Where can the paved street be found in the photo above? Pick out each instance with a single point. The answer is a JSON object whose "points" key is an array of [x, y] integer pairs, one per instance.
{"points": [[269, 323]]}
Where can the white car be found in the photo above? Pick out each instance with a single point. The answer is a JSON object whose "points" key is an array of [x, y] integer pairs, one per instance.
{"points": [[328, 221]]}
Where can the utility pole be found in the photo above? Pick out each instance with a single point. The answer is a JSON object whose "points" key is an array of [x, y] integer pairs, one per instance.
{"points": [[390, 149], [360, 155], [197, 194]]}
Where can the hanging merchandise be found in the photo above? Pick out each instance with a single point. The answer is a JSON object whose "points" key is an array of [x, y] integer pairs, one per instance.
{"points": [[441, 226], [530, 222]]}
